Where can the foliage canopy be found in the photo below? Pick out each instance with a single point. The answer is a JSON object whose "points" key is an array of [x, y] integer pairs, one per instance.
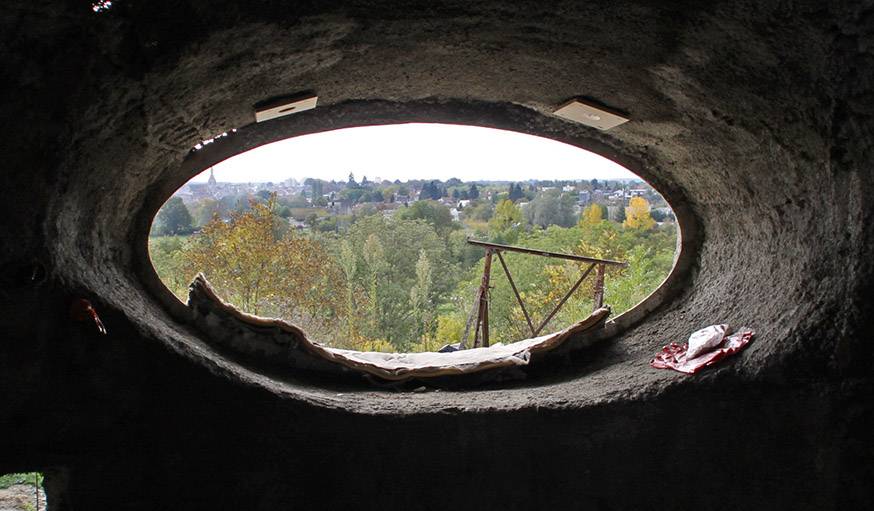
{"points": [[405, 281]]}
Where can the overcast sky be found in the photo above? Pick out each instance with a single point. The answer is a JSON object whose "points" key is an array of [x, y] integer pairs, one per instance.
{"points": [[417, 151]]}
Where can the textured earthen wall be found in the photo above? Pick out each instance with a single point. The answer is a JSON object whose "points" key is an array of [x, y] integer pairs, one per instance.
{"points": [[753, 118]]}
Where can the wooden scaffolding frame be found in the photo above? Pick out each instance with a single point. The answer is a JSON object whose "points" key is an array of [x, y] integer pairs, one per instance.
{"points": [[480, 309]]}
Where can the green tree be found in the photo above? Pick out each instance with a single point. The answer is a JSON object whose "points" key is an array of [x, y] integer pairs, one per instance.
{"points": [[349, 264], [227, 203], [296, 201], [431, 190], [374, 255], [432, 212], [620, 215], [480, 211], [420, 295], [567, 217], [173, 218], [317, 187], [658, 216], [462, 252], [505, 225], [205, 210], [352, 194], [169, 260], [473, 191], [407, 238], [544, 210]]}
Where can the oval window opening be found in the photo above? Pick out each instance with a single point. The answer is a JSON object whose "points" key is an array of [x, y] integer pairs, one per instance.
{"points": [[418, 237]]}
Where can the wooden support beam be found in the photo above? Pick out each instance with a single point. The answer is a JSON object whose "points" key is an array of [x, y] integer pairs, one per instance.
{"points": [[544, 253], [481, 301], [483, 319], [599, 287]]}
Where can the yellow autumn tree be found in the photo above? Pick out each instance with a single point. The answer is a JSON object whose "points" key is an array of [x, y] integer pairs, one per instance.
{"points": [[637, 215], [449, 328], [261, 271], [592, 215]]}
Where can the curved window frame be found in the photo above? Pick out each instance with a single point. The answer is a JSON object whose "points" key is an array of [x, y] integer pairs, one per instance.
{"points": [[356, 114]]}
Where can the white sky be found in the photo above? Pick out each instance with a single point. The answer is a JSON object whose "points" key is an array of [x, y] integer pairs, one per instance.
{"points": [[416, 151]]}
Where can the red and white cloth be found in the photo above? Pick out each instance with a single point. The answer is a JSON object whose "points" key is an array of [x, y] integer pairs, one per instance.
{"points": [[674, 356]]}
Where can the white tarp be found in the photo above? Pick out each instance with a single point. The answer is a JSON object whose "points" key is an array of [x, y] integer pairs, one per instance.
{"points": [[389, 366], [401, 366]]}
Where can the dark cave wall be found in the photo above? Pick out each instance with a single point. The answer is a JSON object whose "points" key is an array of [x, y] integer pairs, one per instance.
{"points": [[205, 446], [756, 118]]}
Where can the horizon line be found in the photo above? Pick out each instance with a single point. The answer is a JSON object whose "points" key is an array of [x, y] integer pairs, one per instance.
{"points": [[302, 180]]}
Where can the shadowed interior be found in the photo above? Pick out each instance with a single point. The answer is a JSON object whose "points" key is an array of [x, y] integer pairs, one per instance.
{"points": [[754, 122]]}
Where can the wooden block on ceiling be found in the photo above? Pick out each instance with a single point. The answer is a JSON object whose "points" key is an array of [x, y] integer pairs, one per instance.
{"points": [[590, 115], [286, 105]]}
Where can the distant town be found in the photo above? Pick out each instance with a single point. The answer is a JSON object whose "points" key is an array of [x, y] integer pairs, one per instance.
{"points": [[309, 203]]}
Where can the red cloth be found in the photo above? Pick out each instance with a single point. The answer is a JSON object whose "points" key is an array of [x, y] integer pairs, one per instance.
{"points": [[673, 356], [82, 311]]}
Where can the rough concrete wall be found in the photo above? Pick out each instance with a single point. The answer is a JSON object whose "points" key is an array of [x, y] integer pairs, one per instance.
{"points": [[757, 117]]}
